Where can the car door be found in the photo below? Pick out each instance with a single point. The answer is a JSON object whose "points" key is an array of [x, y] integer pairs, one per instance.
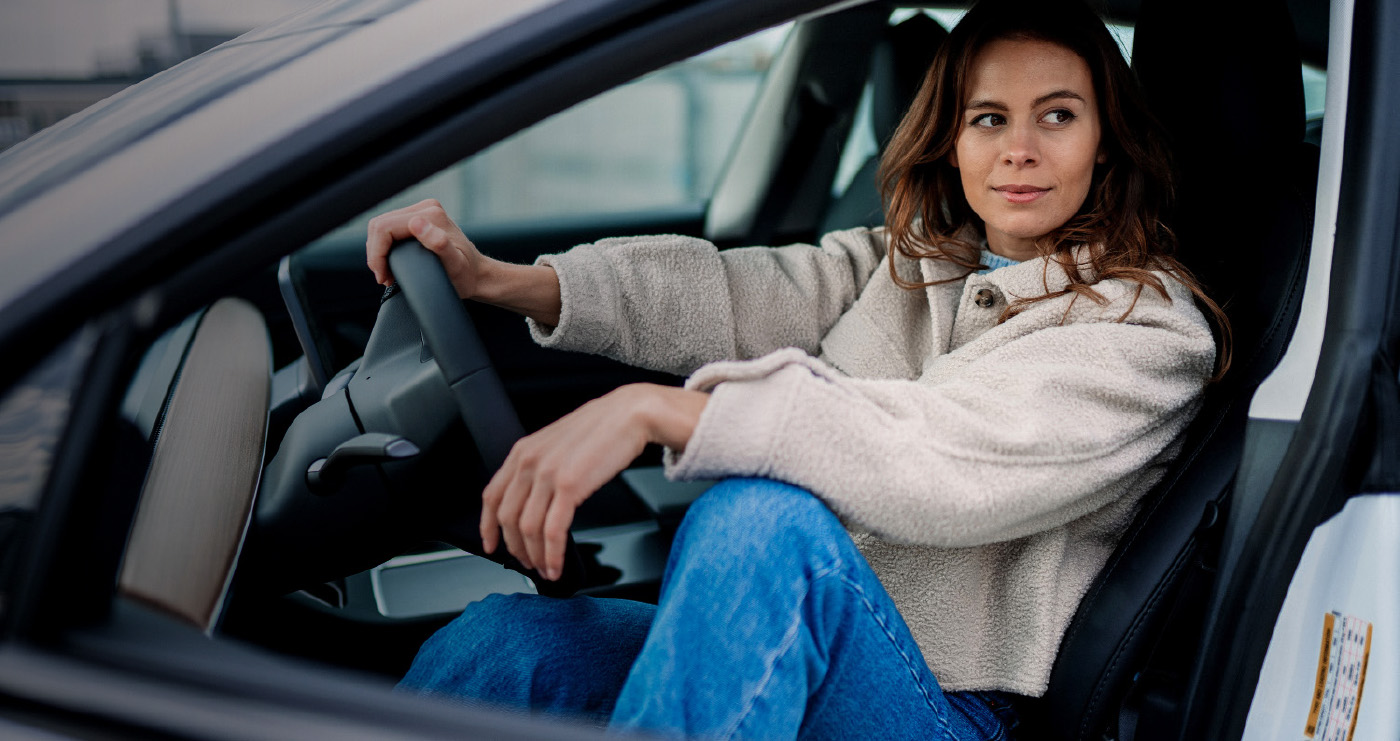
{"points": [[1295, 646], [83, 660]]}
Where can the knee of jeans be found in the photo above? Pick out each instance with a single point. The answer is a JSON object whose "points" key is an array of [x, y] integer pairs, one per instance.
{"points": [[486, 625], [762, 510], [492, 640]]}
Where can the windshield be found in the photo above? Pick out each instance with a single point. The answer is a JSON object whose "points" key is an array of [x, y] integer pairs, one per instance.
{"points": [[81, 140]]}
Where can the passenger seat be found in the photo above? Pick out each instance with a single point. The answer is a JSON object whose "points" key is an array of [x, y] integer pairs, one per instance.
{"points": [[897, 69]]}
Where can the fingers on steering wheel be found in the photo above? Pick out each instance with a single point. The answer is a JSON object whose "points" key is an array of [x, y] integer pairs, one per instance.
{"points": [[389, 227], [438, 241], [377, 241]]}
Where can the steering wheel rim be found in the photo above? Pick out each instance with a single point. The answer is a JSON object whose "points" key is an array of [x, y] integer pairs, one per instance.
{"points": [[482, 403]]}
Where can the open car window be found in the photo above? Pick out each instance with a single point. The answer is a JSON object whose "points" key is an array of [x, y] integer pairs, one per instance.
{"points": [[657, 143]]}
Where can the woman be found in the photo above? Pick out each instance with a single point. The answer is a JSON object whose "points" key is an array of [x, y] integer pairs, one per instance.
{"points": [[958, 461]]}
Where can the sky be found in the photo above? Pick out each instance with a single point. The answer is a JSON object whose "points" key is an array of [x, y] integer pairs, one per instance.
{"points": [[71, 37]]}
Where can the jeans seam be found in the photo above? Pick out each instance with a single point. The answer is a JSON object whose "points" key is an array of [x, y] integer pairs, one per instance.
{"points": [[909, 662], [788, 639], [836, 569]]}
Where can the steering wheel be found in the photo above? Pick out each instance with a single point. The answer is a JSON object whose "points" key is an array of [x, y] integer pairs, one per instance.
{"points": [[481, 400], [339, 497]]}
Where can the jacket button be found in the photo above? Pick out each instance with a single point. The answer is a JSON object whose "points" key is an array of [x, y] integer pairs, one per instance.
{"points": [[984, 297]]}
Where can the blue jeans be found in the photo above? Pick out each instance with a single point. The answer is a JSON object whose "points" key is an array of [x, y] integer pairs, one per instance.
{"points": [[770, 625]]}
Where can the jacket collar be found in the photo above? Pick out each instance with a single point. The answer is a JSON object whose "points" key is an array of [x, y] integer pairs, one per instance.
{"points": [[1028, 279]]}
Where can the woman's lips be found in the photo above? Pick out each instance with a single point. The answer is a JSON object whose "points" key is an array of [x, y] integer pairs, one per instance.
{"points": [[1021, 193]]}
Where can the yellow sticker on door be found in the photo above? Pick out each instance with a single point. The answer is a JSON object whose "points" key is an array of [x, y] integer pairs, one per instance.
{"points": [[1341, 675]]}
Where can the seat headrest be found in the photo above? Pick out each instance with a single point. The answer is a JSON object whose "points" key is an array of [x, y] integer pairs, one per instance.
{"points": [[1225, 80], [897, 69], [1223, 77]]}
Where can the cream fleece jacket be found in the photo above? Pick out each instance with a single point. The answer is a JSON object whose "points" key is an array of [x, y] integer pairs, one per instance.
{"points": [[985, 470]]}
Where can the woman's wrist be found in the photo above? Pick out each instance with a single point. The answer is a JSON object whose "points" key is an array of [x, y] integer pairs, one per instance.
{"points": [[669, 414], [532, 290]]}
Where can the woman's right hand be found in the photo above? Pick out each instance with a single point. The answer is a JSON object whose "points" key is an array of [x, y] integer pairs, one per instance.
{"points": [[429, 223], [531, 290]]}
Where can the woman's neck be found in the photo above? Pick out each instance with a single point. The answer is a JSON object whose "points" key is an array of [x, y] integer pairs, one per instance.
{"points": [[1012, 248]]}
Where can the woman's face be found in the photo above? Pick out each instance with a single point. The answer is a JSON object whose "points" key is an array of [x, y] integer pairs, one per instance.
{"points": [[1028, 141]]}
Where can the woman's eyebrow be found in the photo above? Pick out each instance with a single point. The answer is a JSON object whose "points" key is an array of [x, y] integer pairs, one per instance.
{"points": [[992, 104], [1046, 98], [998, 106]]}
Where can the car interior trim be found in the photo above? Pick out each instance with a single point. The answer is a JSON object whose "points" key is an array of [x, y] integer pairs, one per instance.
{"points": [[1347, 570], [1284, 393], [179, 686], [81, 523], [293, 297], [741, 186]]}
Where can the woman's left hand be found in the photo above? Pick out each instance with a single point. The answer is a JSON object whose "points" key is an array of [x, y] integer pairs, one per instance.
{"points": [[531, 500]]}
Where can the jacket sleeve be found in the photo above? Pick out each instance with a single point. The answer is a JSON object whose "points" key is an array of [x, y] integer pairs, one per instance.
{"points": [[674, 303], [1030, 435]]}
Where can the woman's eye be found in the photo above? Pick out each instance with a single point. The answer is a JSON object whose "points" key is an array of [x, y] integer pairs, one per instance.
{"points": [[989, 120], [1058, 116]]}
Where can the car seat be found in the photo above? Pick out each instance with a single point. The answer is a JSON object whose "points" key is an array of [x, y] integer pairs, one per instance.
{"points": [[897, 66], [1225, 81]]}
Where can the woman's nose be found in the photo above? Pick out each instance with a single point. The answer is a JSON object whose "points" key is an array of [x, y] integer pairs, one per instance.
{"points": [[1020, 148]]}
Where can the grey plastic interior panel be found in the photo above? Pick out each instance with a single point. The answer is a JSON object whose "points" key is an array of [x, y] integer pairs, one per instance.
{"points": [[662, 496], [439, 583], [736, 198]]}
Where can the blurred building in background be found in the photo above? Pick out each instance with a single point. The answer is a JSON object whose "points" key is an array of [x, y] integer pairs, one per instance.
{"points": [[28, 105]]}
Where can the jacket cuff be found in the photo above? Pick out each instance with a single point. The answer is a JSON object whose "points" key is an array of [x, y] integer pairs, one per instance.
{"points": [[587, 297], [749, 406]]}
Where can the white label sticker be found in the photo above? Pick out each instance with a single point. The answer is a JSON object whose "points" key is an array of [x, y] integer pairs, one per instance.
{"points": [[1341, 675]]}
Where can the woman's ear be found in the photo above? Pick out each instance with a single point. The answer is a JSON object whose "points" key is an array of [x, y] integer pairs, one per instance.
{"points": [[1101, 158], [953, 159]]}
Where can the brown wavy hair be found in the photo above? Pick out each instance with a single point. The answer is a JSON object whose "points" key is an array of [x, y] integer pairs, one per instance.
{"points": [[1122, 219]]}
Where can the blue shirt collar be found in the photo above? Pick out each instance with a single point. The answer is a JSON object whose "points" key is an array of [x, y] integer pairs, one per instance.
{"points": [[994, 261]]}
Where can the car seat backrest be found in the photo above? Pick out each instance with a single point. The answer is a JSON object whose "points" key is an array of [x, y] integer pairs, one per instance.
{"points": [[897, 68], [1225, 80], [1235, 113]]}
